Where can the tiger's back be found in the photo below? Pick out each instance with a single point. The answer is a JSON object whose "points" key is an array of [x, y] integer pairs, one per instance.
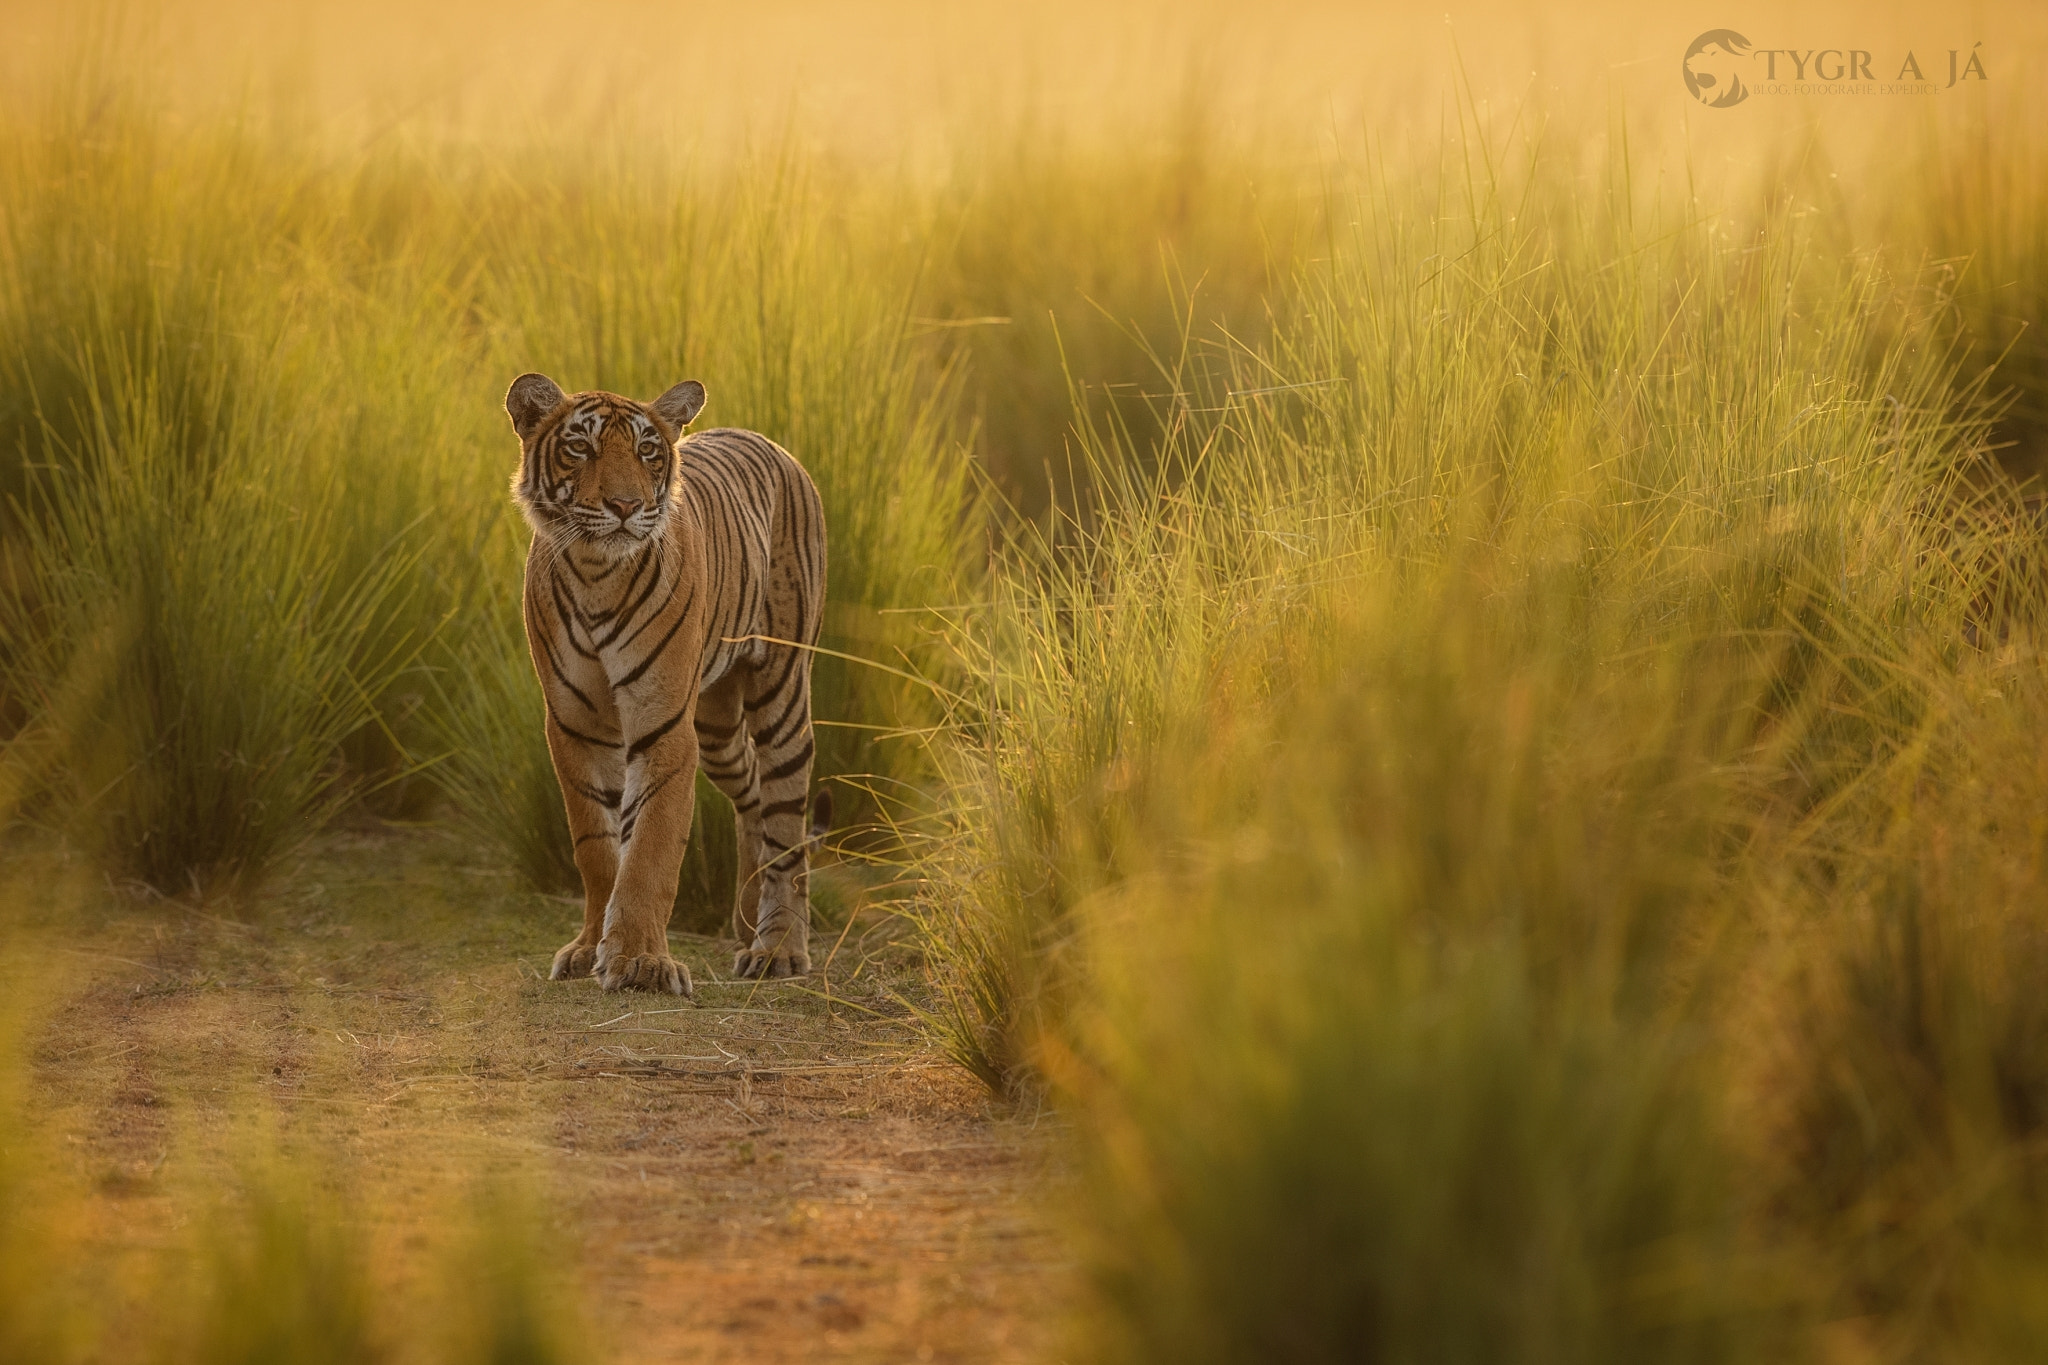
{"points": [[764, 544]]}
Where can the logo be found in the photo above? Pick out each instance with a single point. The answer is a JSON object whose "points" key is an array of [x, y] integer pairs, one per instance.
{"points": [[1711, 68], [1718, 59]]}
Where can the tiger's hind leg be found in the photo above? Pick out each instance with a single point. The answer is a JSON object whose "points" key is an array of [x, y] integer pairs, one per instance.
{"points": [[778, 719], [726, 756]]}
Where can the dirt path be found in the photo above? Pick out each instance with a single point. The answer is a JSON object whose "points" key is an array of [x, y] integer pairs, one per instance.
{"points": [[771, 1175]]}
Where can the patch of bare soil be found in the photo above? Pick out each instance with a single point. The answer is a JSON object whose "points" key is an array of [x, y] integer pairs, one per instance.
{"points": [[777, 1172]]}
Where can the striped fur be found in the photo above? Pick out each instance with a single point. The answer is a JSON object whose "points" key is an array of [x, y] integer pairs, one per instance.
{"points": [[662, 574]]}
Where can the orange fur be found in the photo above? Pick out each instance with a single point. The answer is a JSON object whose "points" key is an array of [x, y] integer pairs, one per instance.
{"points": [[662, 575]]}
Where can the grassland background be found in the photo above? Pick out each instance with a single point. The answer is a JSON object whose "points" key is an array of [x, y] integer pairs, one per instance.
{"points": [[1481, 730]]}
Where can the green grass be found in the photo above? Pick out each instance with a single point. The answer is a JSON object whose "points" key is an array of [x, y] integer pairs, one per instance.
{"points": [[1495, 774], [280, 1278], [33, 1325], [239, 366], [1419, 824], [188, 648], [282, 1271]]}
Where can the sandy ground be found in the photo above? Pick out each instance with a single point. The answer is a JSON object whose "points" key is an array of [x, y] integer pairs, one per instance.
{"points": [[776, 1173]]}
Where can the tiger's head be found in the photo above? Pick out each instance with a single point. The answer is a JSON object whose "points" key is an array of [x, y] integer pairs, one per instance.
{"points": [[597, 469]]}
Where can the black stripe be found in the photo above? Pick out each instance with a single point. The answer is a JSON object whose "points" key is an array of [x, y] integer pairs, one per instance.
{"points": [[793, 806], [655, 615], [568, 597], [652, 654], [629, 613], [588, 837], [795, 762], [586, 739], [639, 567], [757, 490], [790, 658], [785, 853], [564, 610], [652, 737], [788, 723], [604, 796], [555, 666], [632, 811], [718, 737]]}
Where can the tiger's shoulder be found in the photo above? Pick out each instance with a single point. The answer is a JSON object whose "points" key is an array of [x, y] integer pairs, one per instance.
{"points": [[738, 460], [723, 447]]}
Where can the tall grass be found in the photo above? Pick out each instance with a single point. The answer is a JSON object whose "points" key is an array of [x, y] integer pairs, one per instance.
{"points": [[1423, 949], [1494, 780], [282, 1269], [261, 558], [204, 609], [1067, 268], [1983, 217], [776, 287], [186, 648], [1898, 1064], [355, 317], [35, 1324], [1375, 819], [1672, 426], [281, 1277], [273, 1257]]}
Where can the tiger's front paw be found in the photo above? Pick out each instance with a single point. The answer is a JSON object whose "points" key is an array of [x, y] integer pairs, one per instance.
{"points": [[772, 956], [646, 972], [575, 961]]}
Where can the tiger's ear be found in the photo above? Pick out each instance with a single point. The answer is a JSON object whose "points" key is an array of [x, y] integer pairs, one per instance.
{"points": [[529, 401], [680, 404]]}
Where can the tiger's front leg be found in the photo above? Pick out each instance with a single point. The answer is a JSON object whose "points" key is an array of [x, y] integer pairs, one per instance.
{"points": [[587, 748], [591, 776], [654, 829]]}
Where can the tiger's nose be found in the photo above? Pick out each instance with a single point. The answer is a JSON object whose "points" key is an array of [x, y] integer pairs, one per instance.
{"points": [[623, 507]]}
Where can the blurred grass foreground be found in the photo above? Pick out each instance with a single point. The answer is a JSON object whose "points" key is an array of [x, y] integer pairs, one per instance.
{"points": [[1462, 680]]}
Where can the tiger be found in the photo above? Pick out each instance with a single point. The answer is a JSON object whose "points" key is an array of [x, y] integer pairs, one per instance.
{"points": [[674, 593]]}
